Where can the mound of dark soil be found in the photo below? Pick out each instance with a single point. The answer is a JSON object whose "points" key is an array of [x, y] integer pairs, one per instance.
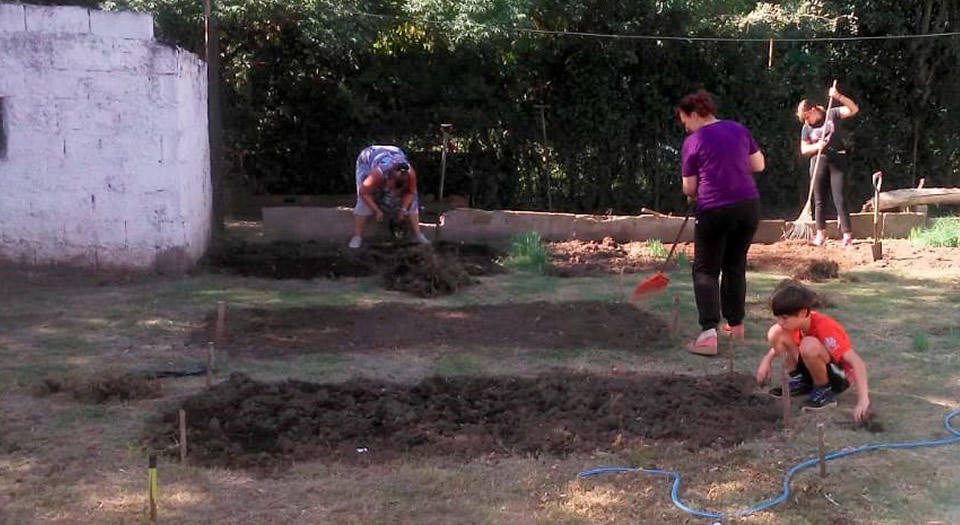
{"points": [[313, 260], [817, 270], [242, 422], [423, 272], [101, 388], [393, 326]]}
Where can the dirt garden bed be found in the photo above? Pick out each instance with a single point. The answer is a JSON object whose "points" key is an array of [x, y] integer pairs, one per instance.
{"points": [[583, 258], [385, 327], [245, 423], [309, 260]]}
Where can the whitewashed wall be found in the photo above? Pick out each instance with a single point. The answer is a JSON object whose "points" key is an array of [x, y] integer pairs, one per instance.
{"points": [[106, 162]]}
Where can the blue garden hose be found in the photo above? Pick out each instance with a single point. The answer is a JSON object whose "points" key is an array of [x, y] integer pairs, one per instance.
{"points": [[786, 478]]}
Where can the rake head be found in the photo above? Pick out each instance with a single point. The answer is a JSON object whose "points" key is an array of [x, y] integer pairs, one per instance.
{"points": [[650, 286], [798, 231]]}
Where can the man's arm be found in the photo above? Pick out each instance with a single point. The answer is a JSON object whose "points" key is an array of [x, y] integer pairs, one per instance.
{"points": [[861, 383], [370, 185], [409, 191]]}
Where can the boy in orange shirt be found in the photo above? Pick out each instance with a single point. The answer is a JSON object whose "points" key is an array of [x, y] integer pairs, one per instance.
{"points": [[820, 358]]}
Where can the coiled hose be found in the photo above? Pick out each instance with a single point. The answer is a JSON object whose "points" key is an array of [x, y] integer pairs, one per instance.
{"points": [[786, 478]]}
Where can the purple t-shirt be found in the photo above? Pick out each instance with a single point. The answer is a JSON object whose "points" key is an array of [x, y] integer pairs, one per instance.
{"points": [[718, 155]]}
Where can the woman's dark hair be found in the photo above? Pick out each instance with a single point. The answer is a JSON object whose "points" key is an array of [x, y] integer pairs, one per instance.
{"points": [[700, 103], [790, 297]]}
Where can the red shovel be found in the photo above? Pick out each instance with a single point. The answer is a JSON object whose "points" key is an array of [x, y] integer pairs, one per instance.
{"points": [[658, 282]]}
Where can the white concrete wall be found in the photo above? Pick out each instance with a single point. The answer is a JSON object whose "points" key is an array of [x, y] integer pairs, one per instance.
{"points": [[107, 159]]}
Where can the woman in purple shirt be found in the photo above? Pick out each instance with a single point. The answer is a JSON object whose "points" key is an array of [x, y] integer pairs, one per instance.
{"points": [[719, 159]]}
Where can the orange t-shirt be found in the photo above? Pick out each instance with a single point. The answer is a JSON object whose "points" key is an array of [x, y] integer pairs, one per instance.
{"points": [[833, 337]]}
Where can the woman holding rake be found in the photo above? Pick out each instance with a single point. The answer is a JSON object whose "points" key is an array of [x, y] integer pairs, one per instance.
{"points": [[821, 138], [718, 161]]}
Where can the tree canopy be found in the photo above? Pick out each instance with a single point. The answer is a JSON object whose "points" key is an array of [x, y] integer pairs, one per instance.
{"points": [[308, 83]]}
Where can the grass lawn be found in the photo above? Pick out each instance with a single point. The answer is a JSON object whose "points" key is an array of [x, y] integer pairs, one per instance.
{"points": [[66, 461]]}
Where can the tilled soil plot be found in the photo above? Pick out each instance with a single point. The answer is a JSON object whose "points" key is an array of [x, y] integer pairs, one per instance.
{"points": [[575, 258], [449, 262], [543, 325], [246, 423]]}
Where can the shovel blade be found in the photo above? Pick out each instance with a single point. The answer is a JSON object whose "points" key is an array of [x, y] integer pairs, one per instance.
{"points": [[877, 251]]}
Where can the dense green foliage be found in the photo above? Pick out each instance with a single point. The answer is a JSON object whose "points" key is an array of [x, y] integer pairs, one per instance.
{"points": [[308, 83], [942, 232]]}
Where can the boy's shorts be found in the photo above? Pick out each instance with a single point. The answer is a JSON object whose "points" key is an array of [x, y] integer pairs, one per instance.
{"points": [[835, 375]]}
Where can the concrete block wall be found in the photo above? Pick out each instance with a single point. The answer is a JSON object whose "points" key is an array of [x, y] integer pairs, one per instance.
{"points": [[106, 161], [303, 223]]}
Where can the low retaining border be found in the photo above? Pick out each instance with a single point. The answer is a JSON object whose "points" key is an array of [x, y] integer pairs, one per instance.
{"points": [[299, 223]]}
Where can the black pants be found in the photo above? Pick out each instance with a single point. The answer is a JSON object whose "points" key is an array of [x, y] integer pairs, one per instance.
{"points": [[721, 240], [835, 166]]}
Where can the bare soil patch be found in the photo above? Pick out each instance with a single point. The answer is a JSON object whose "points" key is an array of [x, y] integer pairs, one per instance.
{"points": [[573, 258], [537, 325], [244, 423]]}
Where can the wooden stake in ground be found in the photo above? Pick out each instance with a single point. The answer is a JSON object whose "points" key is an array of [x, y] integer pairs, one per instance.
{"points": [[183, 436], [221, 322], [675, 315], [211, 360], [822, 449], [731, 347], [152, 491], [785, 393]]}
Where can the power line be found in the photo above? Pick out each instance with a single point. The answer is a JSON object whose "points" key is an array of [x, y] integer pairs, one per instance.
{"points": [[586, 34]]}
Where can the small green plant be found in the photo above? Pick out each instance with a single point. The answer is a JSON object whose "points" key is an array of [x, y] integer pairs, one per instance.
{"points": [[943, 232], [656, 248], [920, 342], [527, 253], [682, 261]]}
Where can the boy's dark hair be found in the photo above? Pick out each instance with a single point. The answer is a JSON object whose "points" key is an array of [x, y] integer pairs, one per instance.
{"points": [[790, 297]]}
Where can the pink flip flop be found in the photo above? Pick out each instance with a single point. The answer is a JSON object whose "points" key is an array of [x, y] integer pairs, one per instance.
{"points": [[736, 332], [705, 346]]}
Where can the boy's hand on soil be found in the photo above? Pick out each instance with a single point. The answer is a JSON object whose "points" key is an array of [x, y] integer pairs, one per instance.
{"points": [[763, 374], [861, 412]]}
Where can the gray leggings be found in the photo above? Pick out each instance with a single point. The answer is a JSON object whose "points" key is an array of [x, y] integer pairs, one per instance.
{"points": [[836, 188]]}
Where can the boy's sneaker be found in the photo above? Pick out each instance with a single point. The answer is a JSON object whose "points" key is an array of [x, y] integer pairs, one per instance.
{"points": [[798, 387], [421, 238], [820, 398], [355, 242]]}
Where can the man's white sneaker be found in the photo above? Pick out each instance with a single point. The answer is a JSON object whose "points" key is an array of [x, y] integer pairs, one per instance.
{"points": [[421, 238], [355, 242]]}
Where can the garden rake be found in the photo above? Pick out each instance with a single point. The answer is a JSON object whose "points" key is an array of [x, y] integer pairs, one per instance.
{"points": [[658, 282]]}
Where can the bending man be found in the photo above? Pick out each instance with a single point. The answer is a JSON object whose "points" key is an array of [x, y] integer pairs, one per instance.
{"points": [[386, 187]]}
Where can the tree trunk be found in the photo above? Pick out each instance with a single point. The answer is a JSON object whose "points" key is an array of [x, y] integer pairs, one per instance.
{"points": [[890, 200]]}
